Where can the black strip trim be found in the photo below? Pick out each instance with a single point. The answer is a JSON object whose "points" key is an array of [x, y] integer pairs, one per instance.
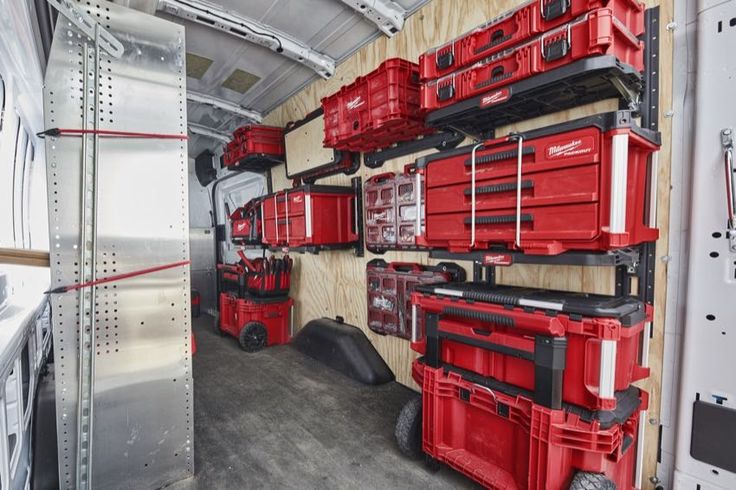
{"points": [[494, 42], [501, 349], [505, 187], [498, 220]]}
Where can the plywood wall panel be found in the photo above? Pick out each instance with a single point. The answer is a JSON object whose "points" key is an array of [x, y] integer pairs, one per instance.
{"points": [[333, 283]]}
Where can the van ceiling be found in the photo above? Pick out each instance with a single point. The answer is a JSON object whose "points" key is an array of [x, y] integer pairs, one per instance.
{"points": [[255, 77]]}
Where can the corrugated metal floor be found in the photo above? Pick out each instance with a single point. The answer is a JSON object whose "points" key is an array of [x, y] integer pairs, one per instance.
{"points": [[278, 419]]}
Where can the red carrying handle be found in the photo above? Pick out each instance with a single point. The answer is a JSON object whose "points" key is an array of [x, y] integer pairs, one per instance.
{"points": [[411, 266], [245, 260], [230, 268], [378, 178]]}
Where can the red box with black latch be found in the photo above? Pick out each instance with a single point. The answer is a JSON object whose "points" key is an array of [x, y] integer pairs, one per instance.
{"points": [[587, 184], [256, 322], [518, 26], [255, 144]]}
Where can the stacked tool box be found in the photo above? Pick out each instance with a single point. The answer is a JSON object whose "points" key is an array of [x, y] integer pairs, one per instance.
{"points": [[255, 147], [530, 388], [246, 224]]}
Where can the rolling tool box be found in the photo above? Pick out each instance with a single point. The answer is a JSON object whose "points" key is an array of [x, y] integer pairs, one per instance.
{"points": [[392, 216], [310, 215], [389, 292], [597, 33], [518, 26], [246, 223], [376, 110], [575, 348], [495, 434], [255, 147], [256, 322], [578, 185]]}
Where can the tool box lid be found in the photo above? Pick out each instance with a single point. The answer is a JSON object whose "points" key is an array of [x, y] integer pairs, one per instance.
{"points": [[628, 310]]}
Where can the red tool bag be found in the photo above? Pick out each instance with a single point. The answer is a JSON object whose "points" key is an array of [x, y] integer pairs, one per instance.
{"points": [[578, 185], [389, 292], [392, 218], [518, 26], [310, 215], [574, 348], [269, 277], [254, 144], [598, 33], [376, 110], [496, 435], [256, 322], [246, 223]]}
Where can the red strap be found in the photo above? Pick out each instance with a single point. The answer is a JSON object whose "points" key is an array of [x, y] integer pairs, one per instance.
{"points": [[112, 134], [118, 277]]}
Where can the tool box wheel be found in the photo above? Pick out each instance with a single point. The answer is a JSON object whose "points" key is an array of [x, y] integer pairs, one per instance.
{"points": [[216, 326], [591, 481], [408, 430], [253, 337]]}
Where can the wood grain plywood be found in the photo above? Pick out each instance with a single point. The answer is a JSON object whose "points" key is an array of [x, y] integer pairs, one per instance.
{"points": [[333, 283]]}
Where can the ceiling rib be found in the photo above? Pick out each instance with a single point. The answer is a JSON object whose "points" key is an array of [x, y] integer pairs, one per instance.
{"points": [[225, 105], [387, 15], [209, 132], [216, 17]]}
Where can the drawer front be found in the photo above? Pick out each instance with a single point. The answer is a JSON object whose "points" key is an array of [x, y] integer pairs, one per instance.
{"points": [[295, 203], [564, 186]]}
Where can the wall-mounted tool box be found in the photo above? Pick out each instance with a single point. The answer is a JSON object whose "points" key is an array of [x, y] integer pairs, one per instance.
{"points": [[246, 223], [310, 215], [566, 347], [496, 435], [255, 147], [598, 33], [376, 110], [518, 26], [389, 292], [256, 322], [584, 185], [394, 207]]}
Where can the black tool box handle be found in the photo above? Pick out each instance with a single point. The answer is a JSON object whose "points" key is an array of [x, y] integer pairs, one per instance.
{"points": [[554, 9], [445, 59], [497, 37], [500, 220], [492, 318], [496, 188], [501, 155]]}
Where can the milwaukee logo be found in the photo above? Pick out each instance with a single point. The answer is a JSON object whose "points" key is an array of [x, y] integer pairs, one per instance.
{"points": [[240, 226], [355, 103], [572, 148], [497, 259], [296, 199], [495, 98]]}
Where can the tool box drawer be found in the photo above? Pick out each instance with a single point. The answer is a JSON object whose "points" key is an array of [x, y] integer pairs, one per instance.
{"points": [[598, 33], [518, 26], [567, 347], [391, 210], [496, 435]]}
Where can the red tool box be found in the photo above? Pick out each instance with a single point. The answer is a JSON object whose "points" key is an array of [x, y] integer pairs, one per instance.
{"points": [[583, 185], [496, 435], [567, 347], [392, 218], [376, 110], [246, 223], [598, 33], [255, 146], [256, 322], [518, 26], [389, 292], [310, 215]]}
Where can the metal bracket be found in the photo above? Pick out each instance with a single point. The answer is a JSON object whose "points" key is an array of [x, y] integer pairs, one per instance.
{"points": [[92, 29], [387, 15], [209, 132], [441, 141], [225, 105], [216, 17], [727, 142]]}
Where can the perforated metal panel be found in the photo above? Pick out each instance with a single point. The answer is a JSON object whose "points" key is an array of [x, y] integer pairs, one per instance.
{"points": [[136, 428]]}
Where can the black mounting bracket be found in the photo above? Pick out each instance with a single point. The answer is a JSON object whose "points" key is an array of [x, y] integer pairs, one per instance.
{"points": [[444, 140]]}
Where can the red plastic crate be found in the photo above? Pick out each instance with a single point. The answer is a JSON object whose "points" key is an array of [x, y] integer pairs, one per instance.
{"points": [[376, 110], [391, 211], [598, 33], [255, 142], [273, 313], [310, 215], [504, 332], [389, 287], [498, 437], [584, 186], [518, 26]]}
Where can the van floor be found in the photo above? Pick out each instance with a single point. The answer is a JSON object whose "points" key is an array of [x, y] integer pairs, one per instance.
{"points": [[279, 419]]}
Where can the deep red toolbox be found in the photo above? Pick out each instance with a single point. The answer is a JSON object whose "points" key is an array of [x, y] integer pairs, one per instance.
{"points": [[518, 26], [392, 218], [257, 277], [389, 288], [255, 144], [584, 186], [571, 348], [598, 33], [496, 435], [310, 215], [246, 223], [376, 110], [256, 322]]}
